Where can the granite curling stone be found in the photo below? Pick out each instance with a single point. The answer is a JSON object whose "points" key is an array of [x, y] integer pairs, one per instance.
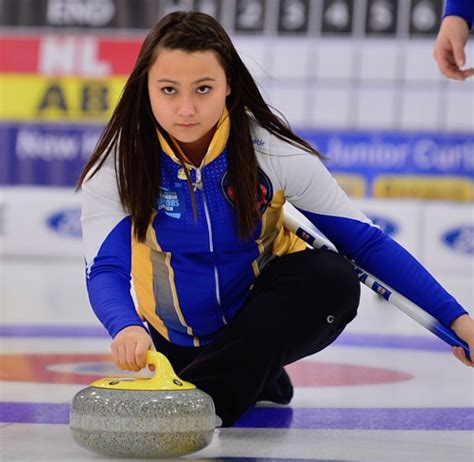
{"points": [[158, 417]]}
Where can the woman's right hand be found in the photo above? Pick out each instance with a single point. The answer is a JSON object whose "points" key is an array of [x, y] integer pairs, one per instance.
{"points": [[129, 348]]}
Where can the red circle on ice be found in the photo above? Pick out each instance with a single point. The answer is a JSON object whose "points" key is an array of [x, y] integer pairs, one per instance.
{"points": [[85, 368]]}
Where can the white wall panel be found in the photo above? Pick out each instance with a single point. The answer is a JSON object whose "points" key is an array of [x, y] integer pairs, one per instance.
{"points": [[292, 59], [41, 222], [380, 61], [335, 60], [460, 106], [375, 107], [293, 103], [419, 63], [332, 106], [254, 53], [420, 109]]}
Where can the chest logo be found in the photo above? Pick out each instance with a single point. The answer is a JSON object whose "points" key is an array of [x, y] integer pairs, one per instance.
{"points": [[264, 193], [171, 202]]}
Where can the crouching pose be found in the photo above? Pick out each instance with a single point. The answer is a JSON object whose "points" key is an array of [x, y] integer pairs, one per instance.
{"points": [[183, 196]]}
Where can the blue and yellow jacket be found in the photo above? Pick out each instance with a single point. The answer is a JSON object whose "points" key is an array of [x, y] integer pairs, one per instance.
{"points": [[190, 278]]}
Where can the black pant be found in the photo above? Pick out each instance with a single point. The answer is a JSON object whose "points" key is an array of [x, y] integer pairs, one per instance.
{"points": [[300, 303]]}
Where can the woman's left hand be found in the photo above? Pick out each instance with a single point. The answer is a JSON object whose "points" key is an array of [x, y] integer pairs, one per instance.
{"points": [[464, 329]]}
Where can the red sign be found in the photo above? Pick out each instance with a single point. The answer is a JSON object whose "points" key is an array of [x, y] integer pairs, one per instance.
{"points": [[80, 55]]}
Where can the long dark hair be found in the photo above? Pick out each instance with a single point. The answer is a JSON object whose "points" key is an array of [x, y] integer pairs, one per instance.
{"points": [[131, 132]]}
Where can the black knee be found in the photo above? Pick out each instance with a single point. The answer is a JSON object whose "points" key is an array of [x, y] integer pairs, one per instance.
{"points": [[330, 302], [330, 285], [339, 280]]}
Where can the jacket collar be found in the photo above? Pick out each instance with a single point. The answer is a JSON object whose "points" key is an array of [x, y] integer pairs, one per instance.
{"points": [[216, 146]]}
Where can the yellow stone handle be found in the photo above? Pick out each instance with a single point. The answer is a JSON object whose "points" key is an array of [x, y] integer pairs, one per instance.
{"points": [[164, 378]]}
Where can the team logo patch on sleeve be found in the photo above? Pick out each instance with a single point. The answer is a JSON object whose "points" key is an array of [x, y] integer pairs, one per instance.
{"points": [[264, 193], [172, 203]]}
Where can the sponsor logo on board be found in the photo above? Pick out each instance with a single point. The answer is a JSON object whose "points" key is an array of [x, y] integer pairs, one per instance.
{"points": [[460, 239], [66, 222]]}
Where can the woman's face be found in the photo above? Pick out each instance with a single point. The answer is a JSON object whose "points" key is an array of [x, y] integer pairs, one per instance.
{"points": [[187, 93]]}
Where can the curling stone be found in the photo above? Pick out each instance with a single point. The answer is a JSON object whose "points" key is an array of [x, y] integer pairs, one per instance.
{"points": [[157, 417]]}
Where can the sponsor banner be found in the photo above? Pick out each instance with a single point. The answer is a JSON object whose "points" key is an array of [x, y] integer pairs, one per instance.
{"points": [[50, 155], [398, 165], [425, 187], [353, 185], [33, 97], [40, 222], [366, 164], [84, 55], [449, 238]]}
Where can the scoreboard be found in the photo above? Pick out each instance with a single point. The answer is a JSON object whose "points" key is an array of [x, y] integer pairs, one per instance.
{"points": [[389, 18]]}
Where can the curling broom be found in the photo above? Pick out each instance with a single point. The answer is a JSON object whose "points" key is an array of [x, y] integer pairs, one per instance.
{"points": [[296, 222]]}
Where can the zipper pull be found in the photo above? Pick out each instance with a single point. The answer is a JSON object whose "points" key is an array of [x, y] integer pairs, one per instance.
{"points": [[198, 183]]}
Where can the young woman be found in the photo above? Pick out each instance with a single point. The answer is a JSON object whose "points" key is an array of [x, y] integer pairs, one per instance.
{"points": [[184, 196]]}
